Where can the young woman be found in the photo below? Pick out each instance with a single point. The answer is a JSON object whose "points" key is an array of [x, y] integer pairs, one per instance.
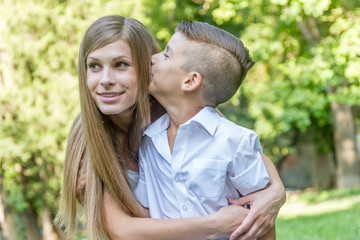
{"points": [[114, 73]]}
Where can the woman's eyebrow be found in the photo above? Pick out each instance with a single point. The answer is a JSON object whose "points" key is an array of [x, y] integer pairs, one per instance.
{"points": [[114, 59], [94, 58], [121, 57]]}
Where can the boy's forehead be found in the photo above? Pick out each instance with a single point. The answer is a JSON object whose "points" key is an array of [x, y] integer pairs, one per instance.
{"points": [[178, 42]]}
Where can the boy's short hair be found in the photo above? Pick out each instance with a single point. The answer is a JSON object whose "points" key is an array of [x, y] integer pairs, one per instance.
{"points": [[221, 58]]}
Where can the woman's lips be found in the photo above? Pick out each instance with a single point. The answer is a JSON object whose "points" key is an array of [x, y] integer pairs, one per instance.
{"points": [[110, 96]]}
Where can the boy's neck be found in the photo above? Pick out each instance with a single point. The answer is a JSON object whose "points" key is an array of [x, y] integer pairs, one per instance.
{"points": [[178, 116]]}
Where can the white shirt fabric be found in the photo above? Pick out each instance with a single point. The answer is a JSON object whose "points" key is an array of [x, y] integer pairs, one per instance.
{"points": [[212, 159]]}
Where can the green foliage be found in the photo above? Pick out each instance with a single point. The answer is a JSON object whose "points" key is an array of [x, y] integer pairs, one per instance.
{"points": [[307, 57], [38, 97]]}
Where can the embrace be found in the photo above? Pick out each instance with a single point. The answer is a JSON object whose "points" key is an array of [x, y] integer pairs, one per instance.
{"points": [[150, 156]]}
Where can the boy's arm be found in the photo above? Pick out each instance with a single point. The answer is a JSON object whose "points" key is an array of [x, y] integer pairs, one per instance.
{"points": [[265, 205]]}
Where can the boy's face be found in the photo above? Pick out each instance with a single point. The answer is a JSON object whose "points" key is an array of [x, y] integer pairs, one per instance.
{"points": [[166, 71]]}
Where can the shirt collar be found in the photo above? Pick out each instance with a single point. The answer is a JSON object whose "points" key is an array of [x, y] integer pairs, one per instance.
{"points": [[208, 118], [158, 126]]}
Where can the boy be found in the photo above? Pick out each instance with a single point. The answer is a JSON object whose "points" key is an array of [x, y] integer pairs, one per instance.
{"points": [[203, 158]]}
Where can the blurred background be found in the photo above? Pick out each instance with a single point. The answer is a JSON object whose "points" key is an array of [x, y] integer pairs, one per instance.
{"points": [[302, 97]]}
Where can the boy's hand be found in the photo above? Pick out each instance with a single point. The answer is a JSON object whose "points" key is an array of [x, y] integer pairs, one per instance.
{"points": [[264, 207], [228, 218]]}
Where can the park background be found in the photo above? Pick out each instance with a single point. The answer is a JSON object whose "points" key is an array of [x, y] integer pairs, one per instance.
{"points": [[302, 98]]}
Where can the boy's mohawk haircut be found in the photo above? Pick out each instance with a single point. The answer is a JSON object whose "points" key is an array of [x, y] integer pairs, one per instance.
{"points": [[204, 32]]}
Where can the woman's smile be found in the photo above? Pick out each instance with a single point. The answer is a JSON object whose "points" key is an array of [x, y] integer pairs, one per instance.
{"points": [[110, 96]]}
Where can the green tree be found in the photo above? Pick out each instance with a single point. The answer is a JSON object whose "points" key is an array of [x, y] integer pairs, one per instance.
{"points": [[309, 89], [39, 43], [38, 95]]}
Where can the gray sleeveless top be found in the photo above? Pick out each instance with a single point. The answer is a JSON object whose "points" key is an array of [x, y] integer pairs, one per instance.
{"points": [[133, 178]]}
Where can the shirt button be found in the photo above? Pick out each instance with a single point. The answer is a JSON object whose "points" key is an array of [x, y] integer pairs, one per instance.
{"points": [[184, 207], [177, 177]]}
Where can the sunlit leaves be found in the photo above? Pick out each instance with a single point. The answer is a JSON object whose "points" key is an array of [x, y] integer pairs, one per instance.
{"points": [[296, 10], [225, 11], [314, 8], [41, 47], [298, 75]]}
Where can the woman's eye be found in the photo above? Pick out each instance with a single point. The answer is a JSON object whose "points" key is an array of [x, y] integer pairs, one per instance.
{"points": [[93, 66], [166, 56], [121, 65]]}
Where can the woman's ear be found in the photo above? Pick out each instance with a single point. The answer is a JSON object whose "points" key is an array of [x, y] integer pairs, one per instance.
{"points": [[192, 82]]}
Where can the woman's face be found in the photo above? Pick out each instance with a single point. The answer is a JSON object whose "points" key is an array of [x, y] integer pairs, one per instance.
{"points": [[111, 77]]}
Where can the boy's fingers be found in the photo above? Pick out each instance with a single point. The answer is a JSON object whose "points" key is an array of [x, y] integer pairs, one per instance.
{"points": [[239, 201]]}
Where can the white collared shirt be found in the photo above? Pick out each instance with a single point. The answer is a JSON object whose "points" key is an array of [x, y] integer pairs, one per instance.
{"points": [[212, 159]]}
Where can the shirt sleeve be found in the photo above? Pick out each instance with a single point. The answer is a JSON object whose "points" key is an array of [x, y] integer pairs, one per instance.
{"points": [[140, 190], [248, 172]]}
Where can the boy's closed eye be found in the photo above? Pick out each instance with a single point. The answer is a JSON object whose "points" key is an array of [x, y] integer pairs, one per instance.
{"points": [[166, 55]]}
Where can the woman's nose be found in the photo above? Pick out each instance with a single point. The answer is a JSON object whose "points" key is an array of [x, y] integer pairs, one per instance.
{"points": [[107, 78]]}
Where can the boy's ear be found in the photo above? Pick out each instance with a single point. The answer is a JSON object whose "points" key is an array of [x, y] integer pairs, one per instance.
{"points": [[192, 82]]}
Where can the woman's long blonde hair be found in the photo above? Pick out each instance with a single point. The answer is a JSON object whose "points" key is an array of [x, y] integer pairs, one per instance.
{"points": [[91, 138]]}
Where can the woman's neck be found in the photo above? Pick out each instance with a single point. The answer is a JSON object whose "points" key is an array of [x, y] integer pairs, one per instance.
{"points": [[124, 152], [121, 124], [122, 121]]}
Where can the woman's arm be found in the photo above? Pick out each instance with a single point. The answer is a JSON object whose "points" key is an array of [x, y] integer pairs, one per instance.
{"points": [[265, 205], [122, 226]]}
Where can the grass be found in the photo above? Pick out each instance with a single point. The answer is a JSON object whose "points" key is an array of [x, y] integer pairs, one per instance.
{"points": [[326, 215]]}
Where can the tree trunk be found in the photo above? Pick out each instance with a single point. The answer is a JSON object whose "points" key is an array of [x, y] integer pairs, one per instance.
{"points": [[319, 166], [29, 219], [7, 216], [19, 221], [49, 232], [9, 224], [347, 157]]}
